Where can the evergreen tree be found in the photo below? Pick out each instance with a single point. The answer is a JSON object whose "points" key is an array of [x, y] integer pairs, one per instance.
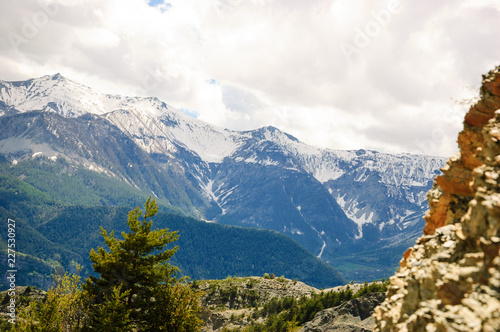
{"points": [[112, 314], [136, 286]]}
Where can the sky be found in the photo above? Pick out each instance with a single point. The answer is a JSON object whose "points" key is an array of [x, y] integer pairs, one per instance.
{"points": [[392, 76]]}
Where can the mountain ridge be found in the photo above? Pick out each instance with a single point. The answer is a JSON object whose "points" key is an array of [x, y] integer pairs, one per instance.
{"points": [[250, 178]]}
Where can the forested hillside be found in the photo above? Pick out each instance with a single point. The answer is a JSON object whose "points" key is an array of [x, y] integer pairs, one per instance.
{"points": [[53, 231]]}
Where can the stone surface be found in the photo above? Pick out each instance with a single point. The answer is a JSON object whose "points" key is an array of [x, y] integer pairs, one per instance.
{"points": [[450, 280], [352, 316]]}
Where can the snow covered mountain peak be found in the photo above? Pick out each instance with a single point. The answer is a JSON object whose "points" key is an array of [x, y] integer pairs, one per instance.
{"points": [[272, 133], [262, 178], [52, 93], [166, 126], [159, 128], [56, 93]]}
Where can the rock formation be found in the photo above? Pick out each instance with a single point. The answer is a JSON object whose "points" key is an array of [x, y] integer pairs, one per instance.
{"points": [[229, 303], [352, 316], [235, 304], [450, 280]]}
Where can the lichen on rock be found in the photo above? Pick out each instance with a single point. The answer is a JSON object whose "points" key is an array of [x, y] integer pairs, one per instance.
{"points": [[450, 279]]}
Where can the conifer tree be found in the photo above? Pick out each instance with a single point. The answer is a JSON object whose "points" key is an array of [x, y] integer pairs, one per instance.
{"points": [[136, 285]]}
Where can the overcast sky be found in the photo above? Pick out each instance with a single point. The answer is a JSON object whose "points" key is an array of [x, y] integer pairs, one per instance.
{"points": [[343, 74]]}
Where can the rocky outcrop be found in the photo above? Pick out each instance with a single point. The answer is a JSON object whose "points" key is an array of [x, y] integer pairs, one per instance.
{"points": [[230, 303], [352, 316], [450, 280], [248, 292], [234, 304]]}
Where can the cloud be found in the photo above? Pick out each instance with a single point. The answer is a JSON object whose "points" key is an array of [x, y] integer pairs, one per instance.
{"points": [[243, 64]]}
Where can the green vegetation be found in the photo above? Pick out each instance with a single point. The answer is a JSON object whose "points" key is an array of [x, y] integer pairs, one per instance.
{"points": [[136, 290], [215, 251], [134, 271], [38, 184], [54, 233], [68, 233], [38, 256], [202, 255], [371, 263], [61, 310], [230, 293]]}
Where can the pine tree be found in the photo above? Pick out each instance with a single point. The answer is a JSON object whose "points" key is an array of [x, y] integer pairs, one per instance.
{"points": [[136, 284], [112, 314]]}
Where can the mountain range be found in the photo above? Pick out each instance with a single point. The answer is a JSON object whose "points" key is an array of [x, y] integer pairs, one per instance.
{"points": [[357, 210]]}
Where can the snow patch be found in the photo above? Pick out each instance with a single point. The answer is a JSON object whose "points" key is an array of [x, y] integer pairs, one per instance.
{"points": [[360, 217], [322, 249], [360, 220], [216, 195], [251, 160], [340, 201]]}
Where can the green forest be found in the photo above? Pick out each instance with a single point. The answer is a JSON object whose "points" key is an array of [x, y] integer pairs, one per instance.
{"points": [[54, 231]]}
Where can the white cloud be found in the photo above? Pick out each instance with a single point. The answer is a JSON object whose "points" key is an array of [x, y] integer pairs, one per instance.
{"points": [[275, 62]]}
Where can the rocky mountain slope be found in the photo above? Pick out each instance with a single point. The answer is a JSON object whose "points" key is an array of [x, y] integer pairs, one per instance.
{"points": [[353, 316], [332, 202], [234, 304], [230, 303], [450, 280]]}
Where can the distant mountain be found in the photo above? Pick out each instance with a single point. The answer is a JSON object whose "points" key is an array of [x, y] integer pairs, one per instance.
{"points": [[337, 204], [51, 233]]}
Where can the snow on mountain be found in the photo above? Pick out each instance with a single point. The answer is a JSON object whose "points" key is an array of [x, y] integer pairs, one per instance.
{"points": [[139, 117], [153, 124], [399, 177], [210, 143], [326, 164], [57, 94], [260, 178]]}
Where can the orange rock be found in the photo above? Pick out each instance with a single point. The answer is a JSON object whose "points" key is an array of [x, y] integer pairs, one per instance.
{"points": [[438, 214], [478, 118], [458, 268], [493, 87], [405, 257], [481, 107], [454, 187], [469, 141], [456, 182]]}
